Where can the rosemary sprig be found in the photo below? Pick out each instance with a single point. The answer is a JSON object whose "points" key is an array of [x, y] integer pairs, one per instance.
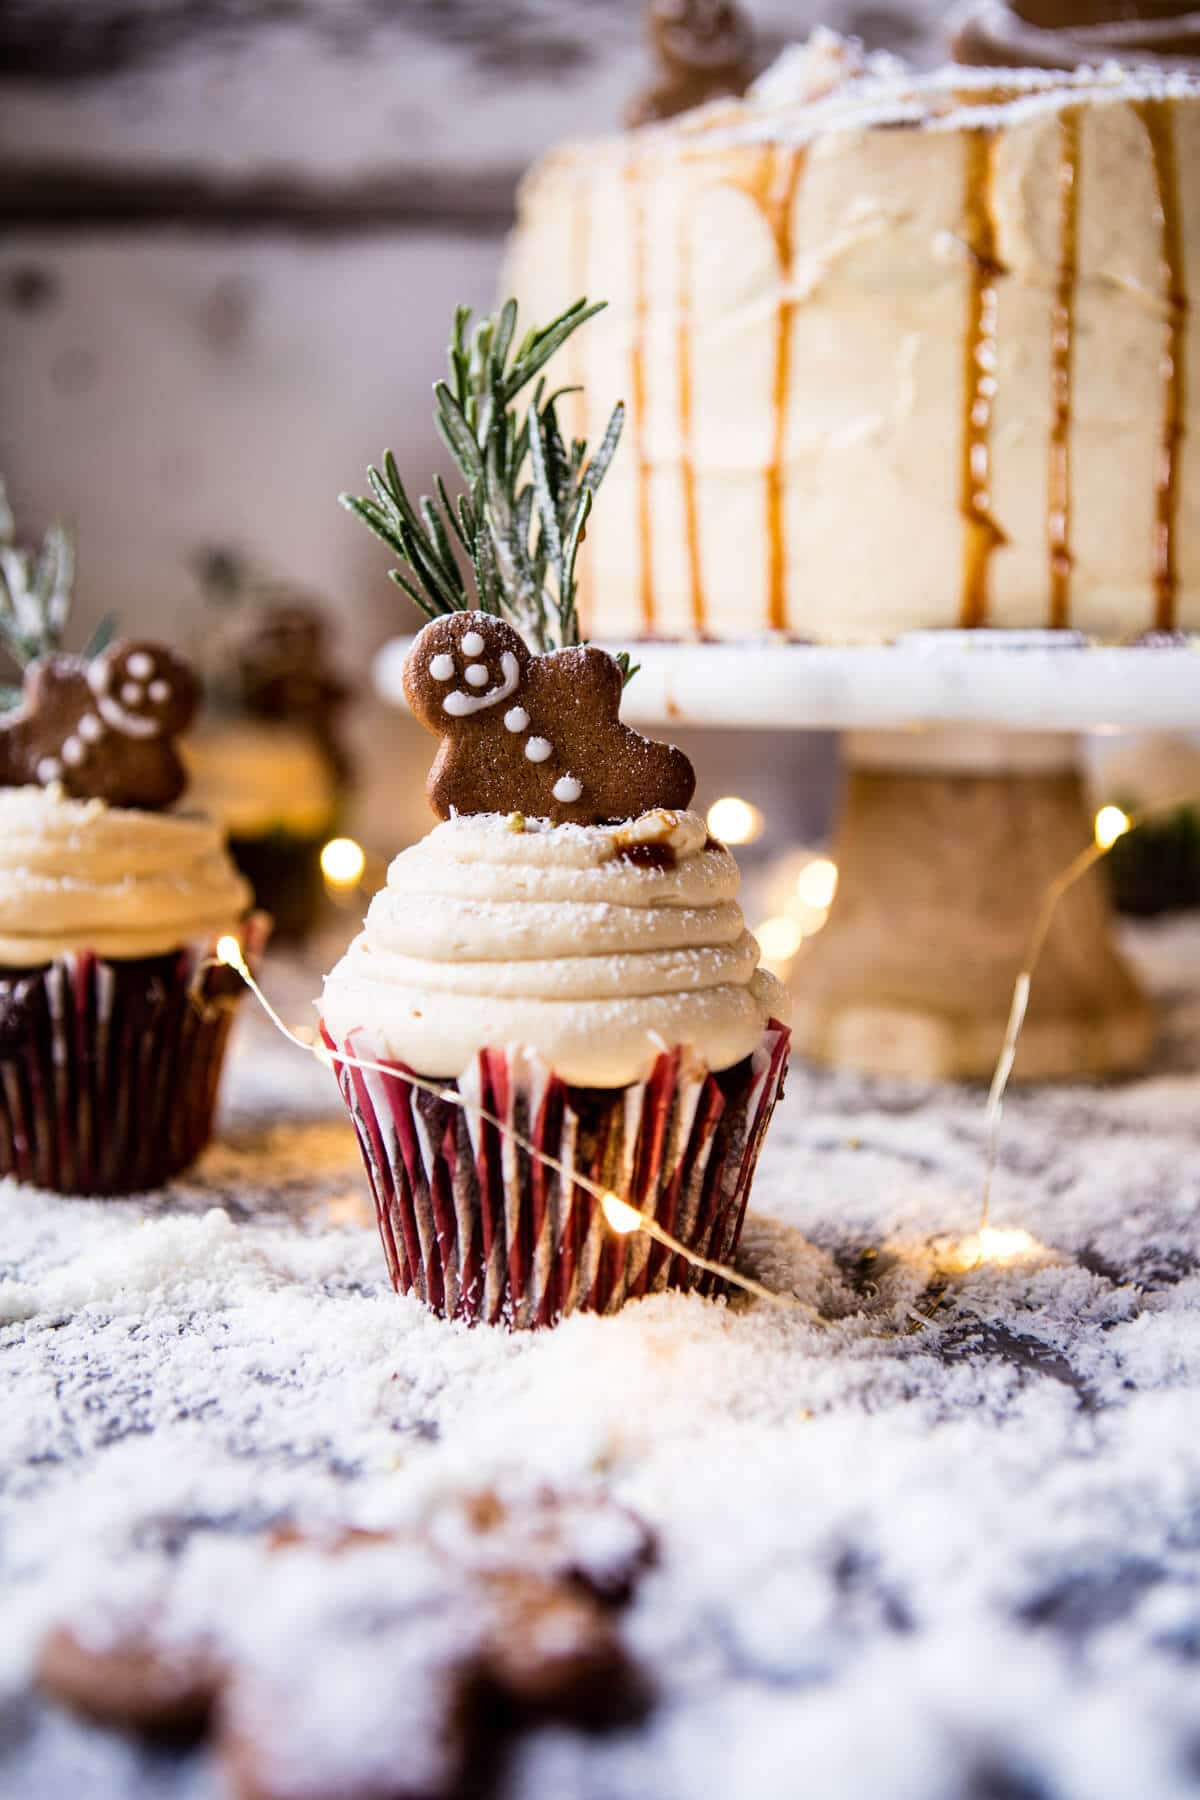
{"points": [[35, 590], [518, 526]]}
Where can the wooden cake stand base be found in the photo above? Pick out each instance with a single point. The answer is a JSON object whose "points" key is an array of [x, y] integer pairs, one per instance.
{"points": [[945, 846]]}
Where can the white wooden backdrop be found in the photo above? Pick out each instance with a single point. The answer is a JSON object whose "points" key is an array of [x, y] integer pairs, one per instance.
{"points": [[231, 236]]}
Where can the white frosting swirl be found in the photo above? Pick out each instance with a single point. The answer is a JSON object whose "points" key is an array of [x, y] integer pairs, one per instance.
{"points": [[80, 875], [551, 937]]}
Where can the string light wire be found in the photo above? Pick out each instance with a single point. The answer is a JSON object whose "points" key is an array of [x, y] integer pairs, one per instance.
{"points": [[1061, 885], [624, 1218]]}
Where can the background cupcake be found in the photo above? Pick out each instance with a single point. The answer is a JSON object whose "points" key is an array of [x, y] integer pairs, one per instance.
{"points": [[268, 760], [565, 951], [112, 1030]]}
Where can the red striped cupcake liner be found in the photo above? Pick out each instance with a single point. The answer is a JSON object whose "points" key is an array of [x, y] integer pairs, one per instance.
{"points": [[109, 1068], [480, 1230]]}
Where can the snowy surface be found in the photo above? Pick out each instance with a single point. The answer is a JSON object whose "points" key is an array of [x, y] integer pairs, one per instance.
{"points": [[947, 1546]]}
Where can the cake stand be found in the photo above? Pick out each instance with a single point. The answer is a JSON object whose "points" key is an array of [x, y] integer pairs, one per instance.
{"points": [[963, 799]]}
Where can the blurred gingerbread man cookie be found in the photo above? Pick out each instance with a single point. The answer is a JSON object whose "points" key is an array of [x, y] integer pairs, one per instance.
{"points": [[703, 51], [539, 735], [105, 729], [371, 1665]]}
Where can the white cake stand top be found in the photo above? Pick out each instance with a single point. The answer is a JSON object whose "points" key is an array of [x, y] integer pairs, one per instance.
{"points": [[1004, 680]]}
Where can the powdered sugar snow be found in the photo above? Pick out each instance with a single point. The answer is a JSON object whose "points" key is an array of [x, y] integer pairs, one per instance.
{"points": [[947, 1546]]}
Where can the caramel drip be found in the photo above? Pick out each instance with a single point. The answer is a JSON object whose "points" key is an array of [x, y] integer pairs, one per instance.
{"points": [[781, 194], [687, 468], [1058, 515], [637, 402], [982, 534], [1156, 117]]}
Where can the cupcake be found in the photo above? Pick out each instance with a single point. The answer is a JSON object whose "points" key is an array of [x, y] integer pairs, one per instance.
{"points": [[268, 761], [563, 954], [271, 789], [112, 1026]]}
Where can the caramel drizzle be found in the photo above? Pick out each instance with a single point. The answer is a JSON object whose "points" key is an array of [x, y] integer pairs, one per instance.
{"points": [[637, 403], [1156, 118], [781, 193], [982, 534], [691, 528], [1058, 515]]}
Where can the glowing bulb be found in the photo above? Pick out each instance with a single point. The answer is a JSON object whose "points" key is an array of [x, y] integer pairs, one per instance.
{"points": [[1111, 823], [734, 821], [622, 1217], [817, 882], [229, 952], [779, 939], [343, 862], [999, 1244]]}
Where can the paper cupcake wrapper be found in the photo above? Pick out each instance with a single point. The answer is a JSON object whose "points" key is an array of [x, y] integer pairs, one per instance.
{"points": [[109, 1069], [481, 1230]]}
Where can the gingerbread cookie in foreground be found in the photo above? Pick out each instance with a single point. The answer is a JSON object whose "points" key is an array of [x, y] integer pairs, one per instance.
{"points": [[109, 904], [370, 1665], [533, 734], [565, 951]]}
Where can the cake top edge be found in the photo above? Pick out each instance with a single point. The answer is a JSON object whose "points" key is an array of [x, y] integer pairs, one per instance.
{"points": [[829, 85]]}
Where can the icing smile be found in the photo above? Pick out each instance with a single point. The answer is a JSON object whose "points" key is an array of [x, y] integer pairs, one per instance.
{"points": [[458, 704]]}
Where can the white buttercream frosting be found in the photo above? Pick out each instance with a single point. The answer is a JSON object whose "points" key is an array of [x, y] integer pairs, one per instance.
{"points": [[492, 934], [80, 875]]}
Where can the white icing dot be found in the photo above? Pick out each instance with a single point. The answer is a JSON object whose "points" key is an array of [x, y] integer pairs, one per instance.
{"points": [[90, 729], [442, 668], [477, 675], [133, 693], [472, 644], [49, 769], [516, 719], [567, 788], [140, 665], [160, 692], [538, 749], [73, 752]]}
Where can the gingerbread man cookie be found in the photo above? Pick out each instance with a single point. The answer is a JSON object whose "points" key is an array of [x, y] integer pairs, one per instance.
{"points": [[373, 1665], [104, 729], [703, 49], [539, 735]]}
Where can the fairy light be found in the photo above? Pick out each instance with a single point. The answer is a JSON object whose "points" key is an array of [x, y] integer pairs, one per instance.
{"points": [[343, 862], [1004, 1244], [619, 1214], [779, 940], [229, 952], [1111, 824], [622, 1217], [734, 821], [816, 884]]}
